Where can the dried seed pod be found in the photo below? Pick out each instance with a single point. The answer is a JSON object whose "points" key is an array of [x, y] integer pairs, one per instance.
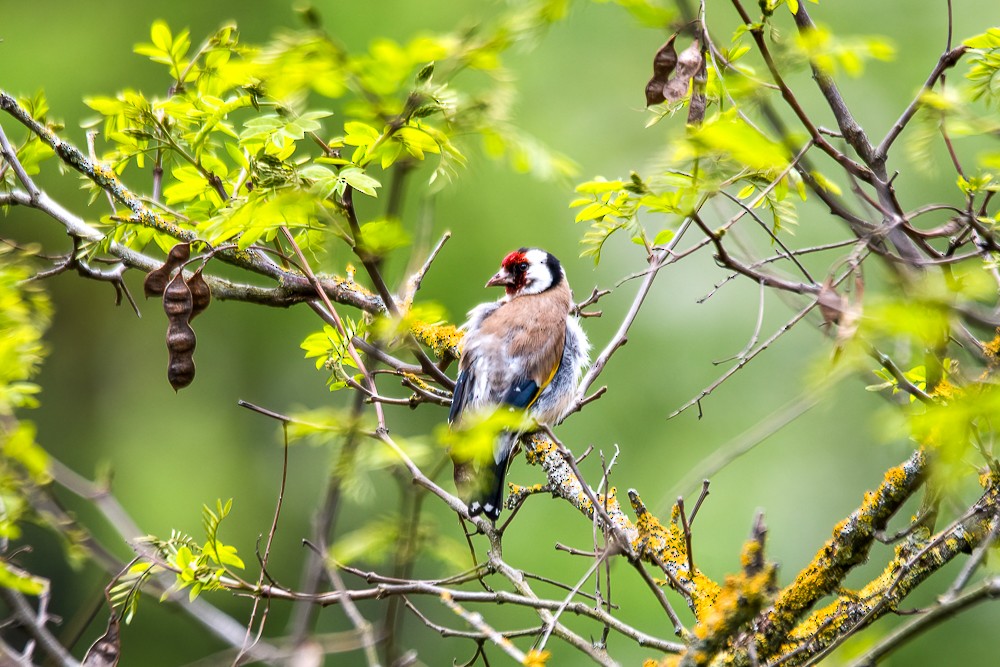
{"points": [[107, 649], [177, 300], [180, 339], [672, 73], [654, 92], [663, 66], [180, 365], [156, 280], [665, 59], [687, 65], [178, 303], [201, 294]]}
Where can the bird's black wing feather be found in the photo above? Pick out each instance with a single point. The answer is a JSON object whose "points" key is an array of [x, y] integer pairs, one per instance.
{"points": [[522, 393], [459, 396]]}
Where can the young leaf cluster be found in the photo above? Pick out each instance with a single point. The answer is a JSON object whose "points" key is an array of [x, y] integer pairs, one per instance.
{"points": [[197, 566]]}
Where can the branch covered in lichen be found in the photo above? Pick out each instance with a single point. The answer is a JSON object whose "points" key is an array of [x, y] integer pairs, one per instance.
{"points": [[847, 548], [914, 561], [444, 340], [647, 538], [780, 630], [101, 175], [742, 596], [666, 546]]}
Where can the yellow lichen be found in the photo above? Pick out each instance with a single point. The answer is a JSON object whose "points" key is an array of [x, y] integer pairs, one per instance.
{"points": [[667, 546], [518, 489], [992, 349], [946, 390], [536, 658], [740, 599], [537, 449], [988, 478], [751, 554], [445, 340]]}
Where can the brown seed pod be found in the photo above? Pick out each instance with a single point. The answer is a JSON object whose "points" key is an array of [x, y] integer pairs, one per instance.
{"points": [[688, 63], [663, 66], [180, 365], [665, 59], [201, 294], [177, 300], [672, 73], [180, 339], [107, 649], [156, 280], [178, 304]]}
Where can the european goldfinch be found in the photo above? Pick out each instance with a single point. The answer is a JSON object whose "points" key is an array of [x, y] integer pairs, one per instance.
{"points": [[524, 351]]}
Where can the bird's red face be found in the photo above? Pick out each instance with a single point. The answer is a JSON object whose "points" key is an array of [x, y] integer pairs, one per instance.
{"points": [[513, 273]]}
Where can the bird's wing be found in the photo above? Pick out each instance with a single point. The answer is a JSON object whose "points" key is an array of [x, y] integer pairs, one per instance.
{"points": [[524, 390], [460, 396]]}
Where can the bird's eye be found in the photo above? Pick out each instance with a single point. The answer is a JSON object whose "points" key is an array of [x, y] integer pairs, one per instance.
{"points": [[522, 267]]}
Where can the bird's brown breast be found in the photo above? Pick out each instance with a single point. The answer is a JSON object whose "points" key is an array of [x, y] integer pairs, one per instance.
{"points": [[533, 327]]}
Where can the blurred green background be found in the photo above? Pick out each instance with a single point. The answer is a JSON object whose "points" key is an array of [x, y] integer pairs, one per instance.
{"points": [[106, 400]]}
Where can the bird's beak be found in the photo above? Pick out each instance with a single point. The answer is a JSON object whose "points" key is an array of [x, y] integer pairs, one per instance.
{"points": [[501, 279]]}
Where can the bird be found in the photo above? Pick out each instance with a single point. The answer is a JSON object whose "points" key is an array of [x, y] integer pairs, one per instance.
{"points": [[525, 351]]}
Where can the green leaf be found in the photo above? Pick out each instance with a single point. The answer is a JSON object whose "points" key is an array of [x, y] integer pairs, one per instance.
{"points": [[416, 141], [20, 446], [373, 542], [360, 181], [599, 186], [664, 237], [360, 134], [14, 578], [184, 558], [729, 135], [475, 439], [225, 554], [159, 34], [382, 236], [987, 40], [390, 153], [593, 211]]}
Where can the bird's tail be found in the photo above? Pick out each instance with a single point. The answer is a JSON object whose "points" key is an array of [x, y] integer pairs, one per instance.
{"points": [[487, 494]]}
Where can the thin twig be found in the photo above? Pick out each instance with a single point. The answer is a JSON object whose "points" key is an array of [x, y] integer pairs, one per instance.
{"points": [[744, 361], [475, 635], [569, 598], [947, 60], [359, 622], [475, 619], [414, 281], [687, 532], [10, 156], [267, 546], [34, 624], [342, 330], [701, 499]]}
